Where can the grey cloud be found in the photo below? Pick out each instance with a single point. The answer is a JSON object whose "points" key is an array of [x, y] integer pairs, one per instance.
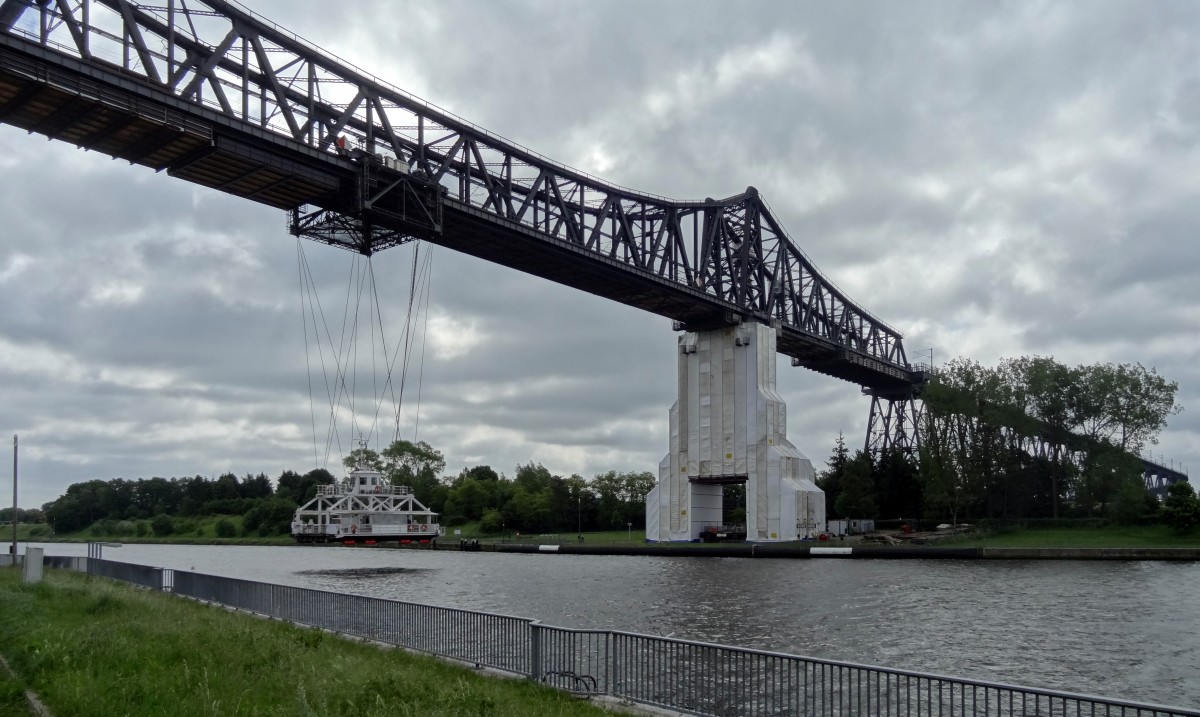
{"points": [[929, 157]]}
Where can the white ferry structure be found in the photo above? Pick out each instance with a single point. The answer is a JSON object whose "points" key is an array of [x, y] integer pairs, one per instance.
{"points": [[364, 508]]}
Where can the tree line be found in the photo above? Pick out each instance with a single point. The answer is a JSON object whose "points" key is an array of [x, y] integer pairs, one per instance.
{"points": [[1029, 438], [533, 501], [255, 497]]}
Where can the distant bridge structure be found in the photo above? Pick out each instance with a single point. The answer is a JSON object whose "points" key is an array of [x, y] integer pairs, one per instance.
{"points": [[1159, 478], [211, 93]]}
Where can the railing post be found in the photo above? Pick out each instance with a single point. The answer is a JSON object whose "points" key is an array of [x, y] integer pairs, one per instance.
{"points": [[611, 637], [535, 652]]}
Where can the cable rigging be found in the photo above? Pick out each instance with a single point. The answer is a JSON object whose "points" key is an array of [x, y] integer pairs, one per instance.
{"points": [[341, 362]]}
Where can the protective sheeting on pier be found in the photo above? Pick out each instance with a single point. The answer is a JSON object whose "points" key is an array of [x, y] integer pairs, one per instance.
{"points": [[728, 426]]}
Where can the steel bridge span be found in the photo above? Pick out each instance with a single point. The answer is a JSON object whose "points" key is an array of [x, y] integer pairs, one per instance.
{"points": [[214, 94]]}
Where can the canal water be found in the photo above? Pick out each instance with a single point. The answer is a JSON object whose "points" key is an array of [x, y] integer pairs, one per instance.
{"points": [[1116, 629]]}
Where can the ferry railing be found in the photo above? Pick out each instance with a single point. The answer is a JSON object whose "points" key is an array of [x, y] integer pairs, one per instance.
{"points": [[681, 675]]}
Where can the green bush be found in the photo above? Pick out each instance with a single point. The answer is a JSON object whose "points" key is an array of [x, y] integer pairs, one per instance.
{"points": [[491, 522], [270, 516], [1181, 509], [105, 527], [142, 529], [226, 528], [162, 525], [227, 506]]}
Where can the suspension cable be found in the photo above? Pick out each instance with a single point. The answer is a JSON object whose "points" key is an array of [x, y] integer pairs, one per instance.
{"points": [[312, 410], [424, 337], [341, 388]]}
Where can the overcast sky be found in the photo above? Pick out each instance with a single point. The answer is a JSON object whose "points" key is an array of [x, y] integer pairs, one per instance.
{"points": [[991, 179]]}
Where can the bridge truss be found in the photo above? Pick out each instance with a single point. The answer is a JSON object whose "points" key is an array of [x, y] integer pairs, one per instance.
{"points": [[214, 94]]}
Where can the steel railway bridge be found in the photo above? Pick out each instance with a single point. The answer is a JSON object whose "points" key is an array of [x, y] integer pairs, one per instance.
{"points": [[215, 95]]}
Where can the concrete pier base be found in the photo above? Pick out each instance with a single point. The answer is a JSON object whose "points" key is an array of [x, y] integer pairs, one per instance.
{"points": [[729, 426]]}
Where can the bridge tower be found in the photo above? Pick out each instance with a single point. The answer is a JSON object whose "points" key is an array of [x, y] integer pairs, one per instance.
{"points": [[729, 426], [894, 423]]}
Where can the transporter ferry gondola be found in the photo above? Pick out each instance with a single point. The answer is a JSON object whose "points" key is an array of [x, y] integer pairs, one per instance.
{"points": [[364, 509]]}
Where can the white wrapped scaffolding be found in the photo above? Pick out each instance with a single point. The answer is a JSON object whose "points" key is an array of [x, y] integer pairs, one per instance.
{"points": [[728, 425]]}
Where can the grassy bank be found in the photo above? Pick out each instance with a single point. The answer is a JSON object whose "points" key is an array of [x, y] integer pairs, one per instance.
{"points": [[1112, 536], [93, 647]]}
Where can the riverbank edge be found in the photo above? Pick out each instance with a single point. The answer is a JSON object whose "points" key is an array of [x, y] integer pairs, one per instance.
{"points": [[761, 550], [758, 550]]}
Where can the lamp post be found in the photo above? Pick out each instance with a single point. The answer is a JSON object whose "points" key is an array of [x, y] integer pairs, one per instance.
{"points": [[579, 514], [14, 515]]}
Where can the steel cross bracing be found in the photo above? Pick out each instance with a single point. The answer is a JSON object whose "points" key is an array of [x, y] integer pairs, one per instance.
{"points": [[1159, 478], [214, 94]]}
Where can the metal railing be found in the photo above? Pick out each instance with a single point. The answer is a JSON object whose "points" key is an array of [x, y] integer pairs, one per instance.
{"points": [[65, 562], [681, 675], [142, 575], [484, 639]]}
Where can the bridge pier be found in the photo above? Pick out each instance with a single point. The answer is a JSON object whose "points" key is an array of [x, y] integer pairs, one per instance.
{"points": [[729, 426]]}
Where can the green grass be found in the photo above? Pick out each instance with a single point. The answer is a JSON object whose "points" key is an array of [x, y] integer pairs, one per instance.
{"points": [[89, 646], [1116, 536], [26, 532], [12, 695]]}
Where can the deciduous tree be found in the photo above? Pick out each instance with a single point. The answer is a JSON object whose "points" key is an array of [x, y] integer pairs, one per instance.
{"points": [[1181, 509]]}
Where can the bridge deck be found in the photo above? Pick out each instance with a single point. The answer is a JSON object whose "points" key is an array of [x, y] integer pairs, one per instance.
{"points": [[101, 108]]}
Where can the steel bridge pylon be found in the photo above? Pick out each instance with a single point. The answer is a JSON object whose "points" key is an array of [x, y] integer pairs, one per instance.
{"points": [[894, 422]]}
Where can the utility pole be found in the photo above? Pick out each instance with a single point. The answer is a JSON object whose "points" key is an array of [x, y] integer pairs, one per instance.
{"points": [[14, 515]]}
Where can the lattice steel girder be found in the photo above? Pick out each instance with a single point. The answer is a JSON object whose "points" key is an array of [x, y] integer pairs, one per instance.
{"points": [[1158, 478], [344, 231], [223, 59], [10, 12], [894, 424]]}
